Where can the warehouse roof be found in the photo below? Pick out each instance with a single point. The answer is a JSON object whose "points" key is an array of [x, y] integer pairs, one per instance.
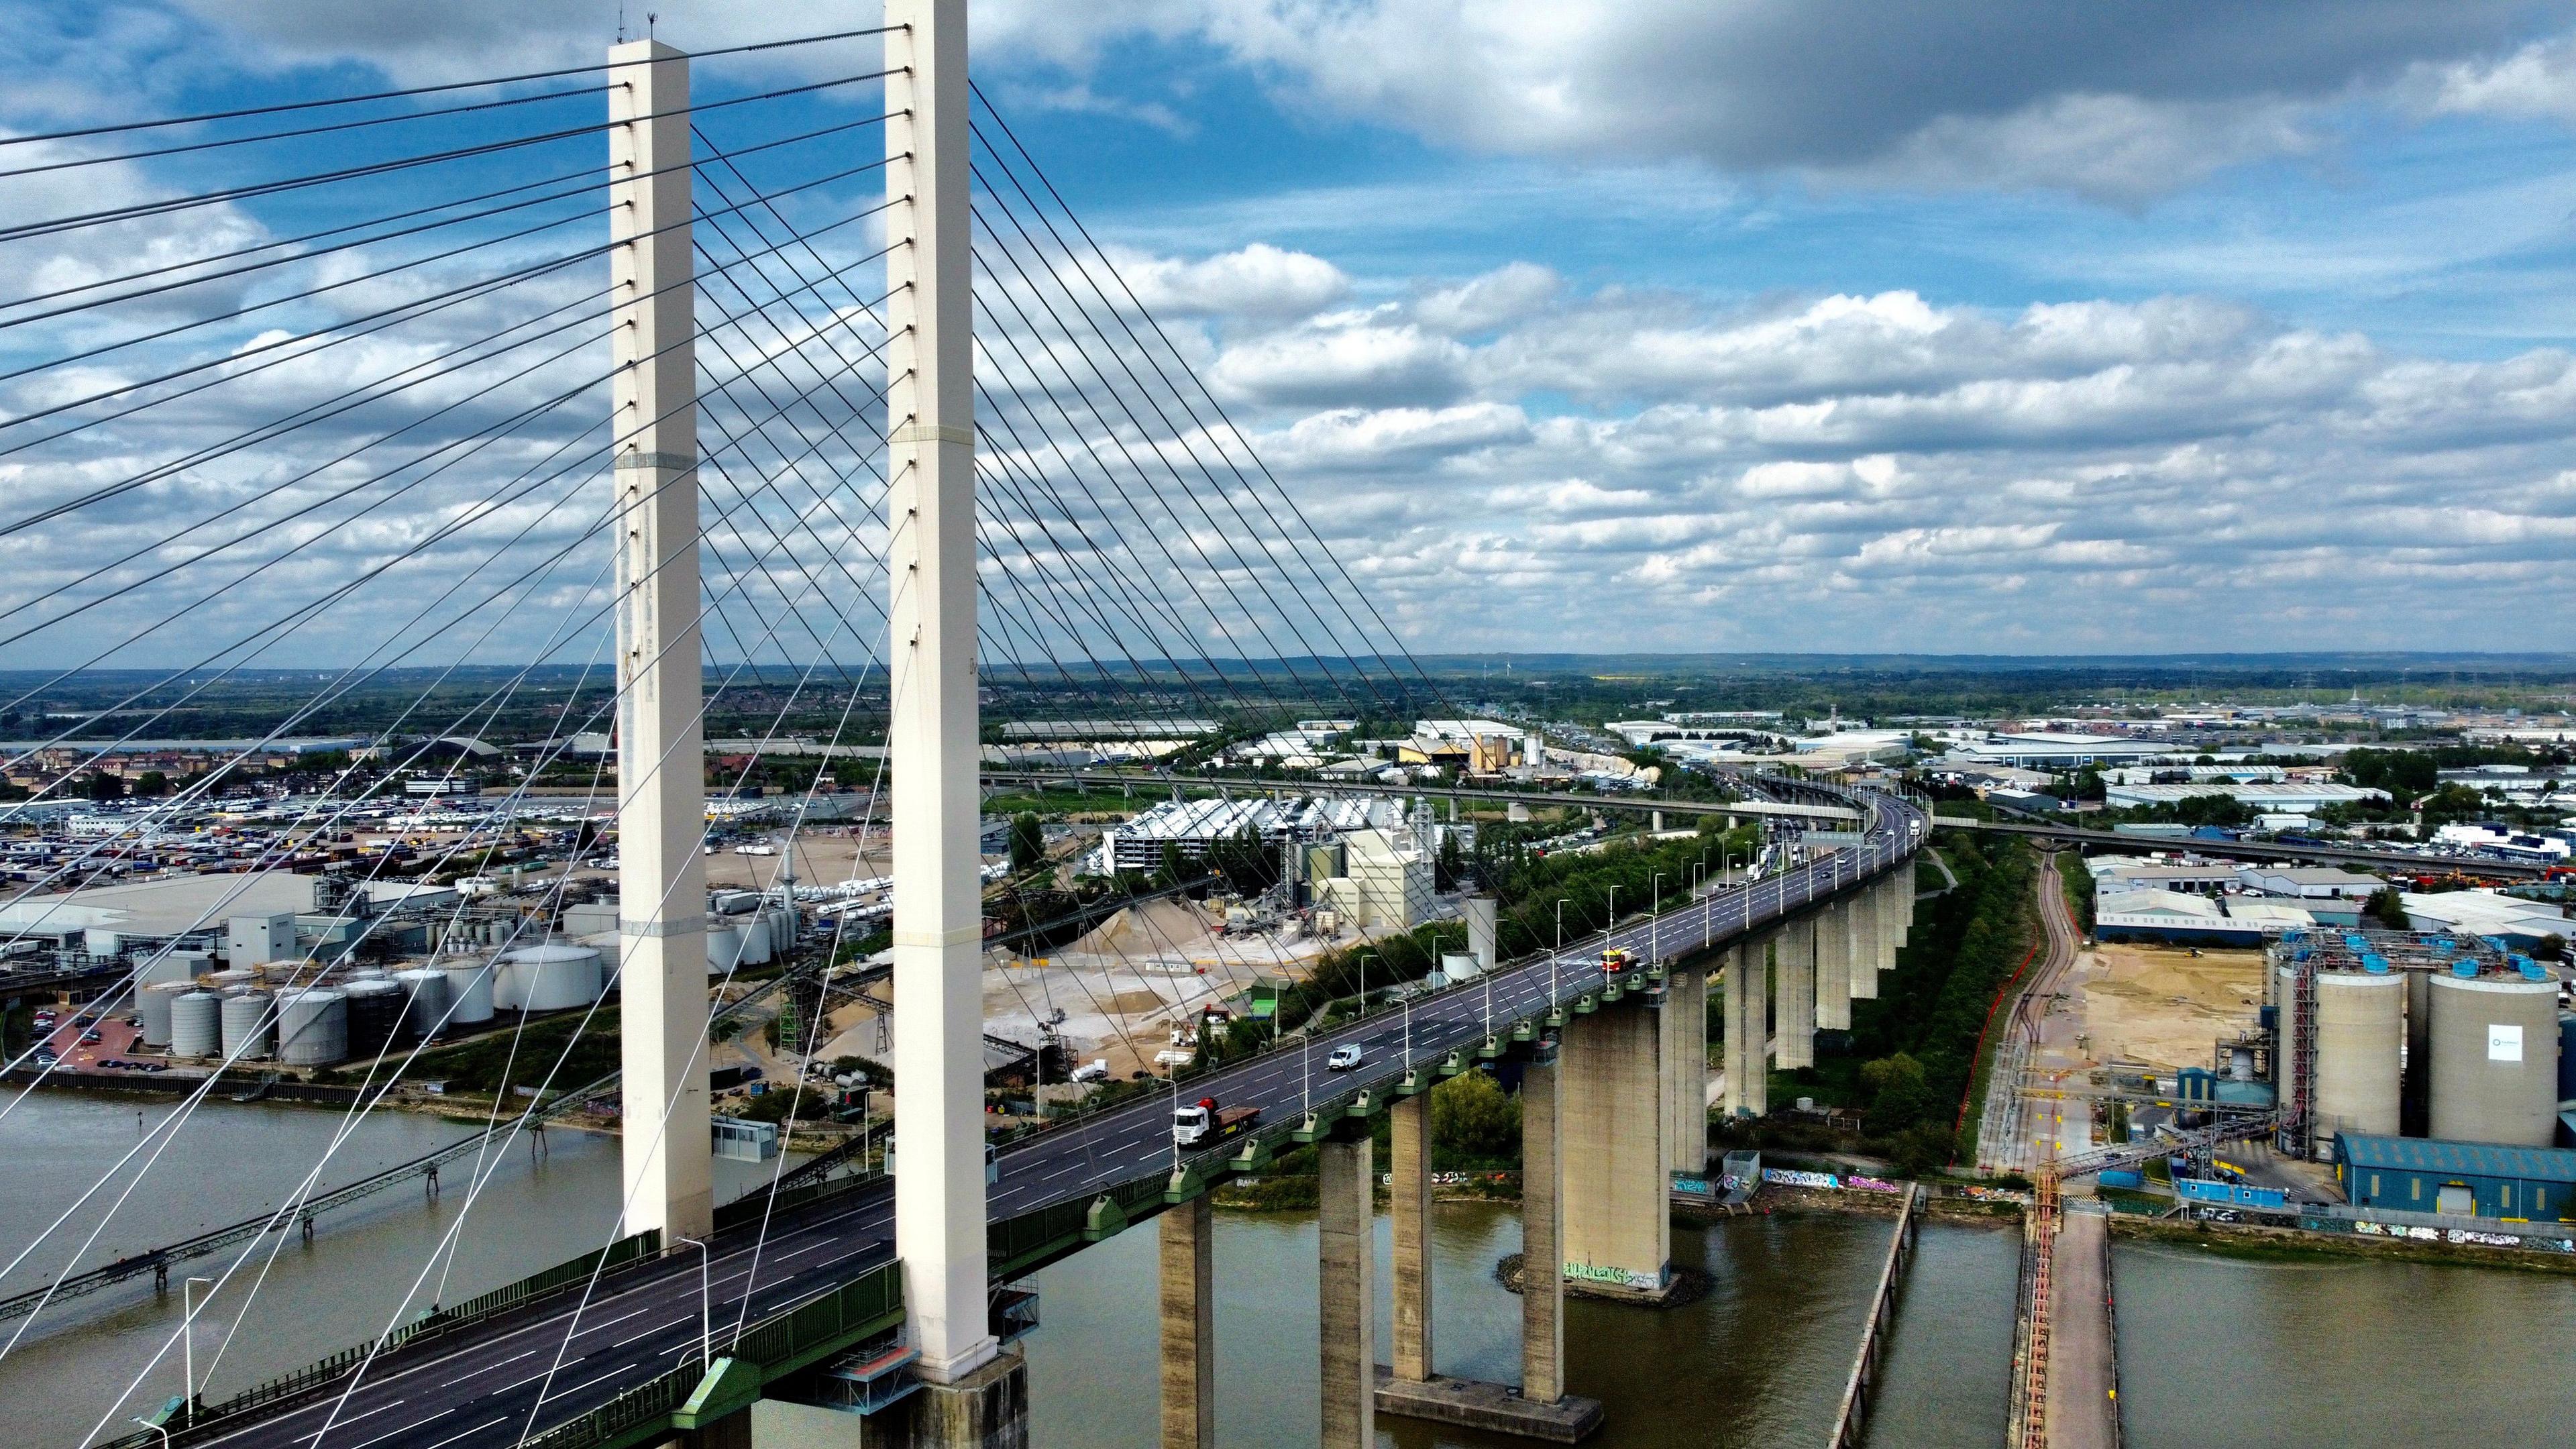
{"points": [[2466, 1159]]}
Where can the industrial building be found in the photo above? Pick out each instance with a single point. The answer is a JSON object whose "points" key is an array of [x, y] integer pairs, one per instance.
{"points": [[2522, 924], [2180, 918], [2383, 1033], [2465, 1179], [2265, 796]]}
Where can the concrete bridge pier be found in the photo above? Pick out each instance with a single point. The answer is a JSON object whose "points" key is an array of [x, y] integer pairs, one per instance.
{"points": [[1834, 966], [1542, 1236], [1748, 1000], [1345, 1290], [1685, 1050], [1409, 1151], [1189, 1325], [1793, 980], [1868, 929], [1617, 1158]]}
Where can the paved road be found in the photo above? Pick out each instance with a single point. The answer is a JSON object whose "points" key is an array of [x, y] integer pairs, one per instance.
{"points": [[482, 1387]]}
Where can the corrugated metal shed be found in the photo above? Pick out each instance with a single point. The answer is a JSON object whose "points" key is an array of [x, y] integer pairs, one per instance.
{"points": [[2473, 1159]]}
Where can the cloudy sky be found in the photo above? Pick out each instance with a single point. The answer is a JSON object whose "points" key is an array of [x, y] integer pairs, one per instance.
{"points": [[2008, 327]]}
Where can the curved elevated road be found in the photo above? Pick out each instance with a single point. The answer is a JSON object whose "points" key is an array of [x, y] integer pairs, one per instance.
{"points": [[481, 1386]]}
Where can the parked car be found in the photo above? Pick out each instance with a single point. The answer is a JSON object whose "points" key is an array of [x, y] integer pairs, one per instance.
{"points": [[1344, 1058]]}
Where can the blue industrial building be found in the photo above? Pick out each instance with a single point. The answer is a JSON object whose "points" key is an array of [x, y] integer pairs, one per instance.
{"points": [[2471, 1179]]}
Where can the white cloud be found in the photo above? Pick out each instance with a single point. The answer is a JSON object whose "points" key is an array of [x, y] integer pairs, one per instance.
{"points": [[1258, 281], [2538, 80]]}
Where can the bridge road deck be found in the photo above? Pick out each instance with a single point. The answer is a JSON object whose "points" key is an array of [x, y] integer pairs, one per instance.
{"points": [[465, 1389]]}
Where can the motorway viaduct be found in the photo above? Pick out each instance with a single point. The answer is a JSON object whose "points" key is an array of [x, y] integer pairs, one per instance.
{"points": [[802, 1293]]}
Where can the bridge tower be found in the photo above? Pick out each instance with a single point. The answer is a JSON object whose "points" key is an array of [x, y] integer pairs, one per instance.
{"points": [[933, 740], [661, 793]]}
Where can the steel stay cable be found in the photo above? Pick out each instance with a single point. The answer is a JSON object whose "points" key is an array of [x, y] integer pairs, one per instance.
{"points": [[215, 775], [439, 88], [334, 596], [1119, 442], [585, 254], [407, 214], [1177, 434], [574, 1041], [166, 470], [809, 285], [53, 226], [1214, 405], [498, 103]]}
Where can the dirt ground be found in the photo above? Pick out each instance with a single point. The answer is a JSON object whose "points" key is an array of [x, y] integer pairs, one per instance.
{"points": [[824, 855], [2165, 1005]]}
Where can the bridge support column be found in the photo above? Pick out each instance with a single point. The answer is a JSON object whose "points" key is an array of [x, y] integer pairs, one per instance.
{"points": [[1542, 1236], [1685, 1048], [668, 1168], [1834, 966], [1409, 1162], [1748, 1006], [1346, 1292], [1793, 979], [1868, 929], [1900, 907], [1189, 1325], [1617, 1160]]}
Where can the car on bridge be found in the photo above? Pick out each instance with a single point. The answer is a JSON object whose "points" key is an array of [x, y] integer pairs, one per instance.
{"points": [[1345, 1058]]}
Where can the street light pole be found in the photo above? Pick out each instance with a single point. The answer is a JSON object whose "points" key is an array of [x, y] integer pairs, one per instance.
{"points": [[188, 1337], [161, 1429], [1655, 930], [706, 1306]]}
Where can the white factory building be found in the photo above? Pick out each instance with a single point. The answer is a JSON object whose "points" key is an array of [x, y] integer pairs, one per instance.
{"points": [[2274, 797]]}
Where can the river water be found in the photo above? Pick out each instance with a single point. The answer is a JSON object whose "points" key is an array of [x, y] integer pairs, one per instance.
{"points": [[2214, 1350]]}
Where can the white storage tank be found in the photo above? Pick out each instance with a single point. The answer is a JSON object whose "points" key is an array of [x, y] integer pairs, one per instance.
{"points": [[2494, 1068], [196, 1024], [2361, 1039], [249, 1024], [469, 985], [313, 1027], [424, 1001], [724, 948], [152, 1004], [551, 977]]}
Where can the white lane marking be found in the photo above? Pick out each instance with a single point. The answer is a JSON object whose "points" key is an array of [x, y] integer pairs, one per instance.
{"points": [[609, 1322], [351, 1419], [452, 1438], [586, 1383], [487, 1368]]}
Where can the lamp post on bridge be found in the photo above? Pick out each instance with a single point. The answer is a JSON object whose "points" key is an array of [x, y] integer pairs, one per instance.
{"points": [[188, 1340], [1655, 926]]}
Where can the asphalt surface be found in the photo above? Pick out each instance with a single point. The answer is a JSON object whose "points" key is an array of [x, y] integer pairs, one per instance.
{"points": [[496, 1383]]}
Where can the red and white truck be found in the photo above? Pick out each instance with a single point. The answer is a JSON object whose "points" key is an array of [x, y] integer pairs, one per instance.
{"points": [[1204, 1121]]}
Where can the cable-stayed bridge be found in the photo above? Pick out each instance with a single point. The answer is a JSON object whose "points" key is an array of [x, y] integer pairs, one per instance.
{"points": [[775, 385]]}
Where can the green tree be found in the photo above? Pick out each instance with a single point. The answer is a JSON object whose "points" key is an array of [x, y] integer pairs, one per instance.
{"points": [[2386, 908], [1896, 1095], [1028, 842], [1474, 1121], [152, 783], [104, 786]]}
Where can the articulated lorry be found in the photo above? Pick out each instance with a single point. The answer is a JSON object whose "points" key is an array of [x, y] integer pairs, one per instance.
{"points": [[1204, 1121]]}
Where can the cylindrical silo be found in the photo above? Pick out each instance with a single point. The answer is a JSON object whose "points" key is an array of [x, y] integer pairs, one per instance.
{"points": [[2361, 1032], [196, 1028], [553, 978], [724, 948], [152, 1004], [424, 1001], [2494, 1060], [313, 1027], [249, 1025], [469, 985], [375, 1016]]}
